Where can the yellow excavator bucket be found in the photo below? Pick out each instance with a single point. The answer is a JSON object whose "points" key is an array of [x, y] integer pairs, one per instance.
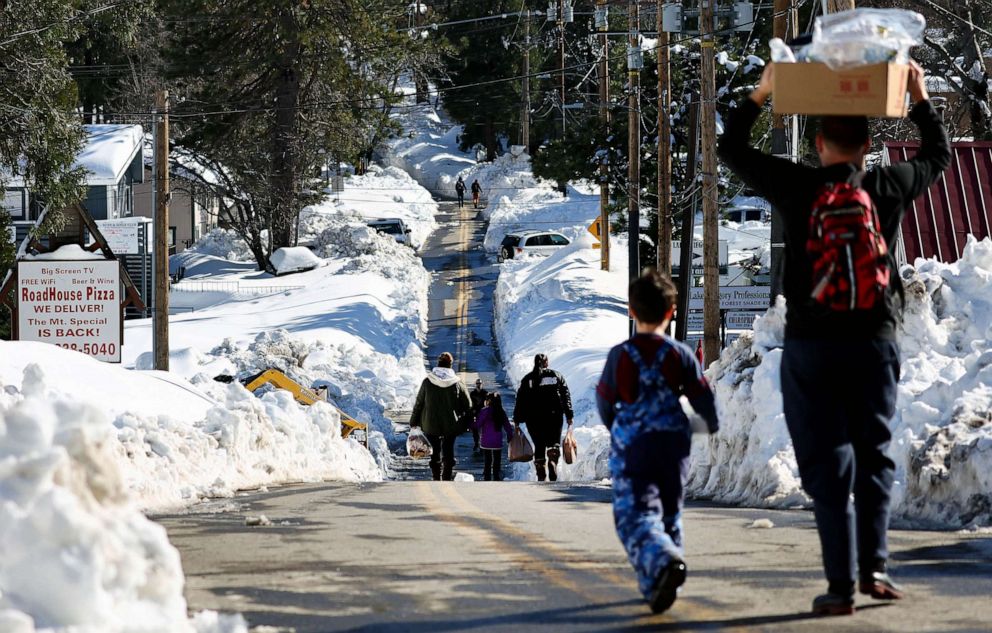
{"points": [[305, 396]]}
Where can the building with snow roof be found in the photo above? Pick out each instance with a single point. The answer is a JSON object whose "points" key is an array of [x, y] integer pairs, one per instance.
{"points": [[111, 159]]}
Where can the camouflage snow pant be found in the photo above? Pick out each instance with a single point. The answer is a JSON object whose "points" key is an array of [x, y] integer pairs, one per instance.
{"points": [[648, 480]]}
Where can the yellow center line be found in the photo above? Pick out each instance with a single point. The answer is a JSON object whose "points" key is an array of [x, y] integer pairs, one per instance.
{"points": [[565, 557], [461, 310], [427, 493]]}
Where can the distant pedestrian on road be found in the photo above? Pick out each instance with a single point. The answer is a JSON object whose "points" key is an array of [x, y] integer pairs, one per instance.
{"points": [[638, 400], [476, 193], [441, 405], [840, 362], [492, 423], [460, 190], [542, 400], [479, 396]]}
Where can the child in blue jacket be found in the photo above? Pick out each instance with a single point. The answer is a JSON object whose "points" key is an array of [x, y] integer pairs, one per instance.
{"points": [[638, 399]]}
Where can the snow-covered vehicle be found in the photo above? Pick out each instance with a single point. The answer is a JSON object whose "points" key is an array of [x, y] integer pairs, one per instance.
{"points": [[537, 242], [394, 227]]}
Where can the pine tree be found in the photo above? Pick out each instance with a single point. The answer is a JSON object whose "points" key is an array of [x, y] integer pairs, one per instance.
{"points": [[316, 75]]}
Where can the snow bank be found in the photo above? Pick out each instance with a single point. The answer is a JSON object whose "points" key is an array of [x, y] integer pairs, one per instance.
{"points": [[566, 307], [541, 208], [355, 325], [177, 443], [219, 243], [382, 193], [942, 430], [76, 554]]}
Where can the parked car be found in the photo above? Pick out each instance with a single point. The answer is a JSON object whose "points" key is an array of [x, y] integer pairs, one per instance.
{"points": [[393, 227], [747, 214], [538, 242]]}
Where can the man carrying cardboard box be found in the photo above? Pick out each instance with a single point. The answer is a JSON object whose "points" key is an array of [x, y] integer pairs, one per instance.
{"points": [[840, 365]]}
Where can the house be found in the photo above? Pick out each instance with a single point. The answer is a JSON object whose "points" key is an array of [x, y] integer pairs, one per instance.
{"points": [[193, 208], [111, 158], [957, 206]]}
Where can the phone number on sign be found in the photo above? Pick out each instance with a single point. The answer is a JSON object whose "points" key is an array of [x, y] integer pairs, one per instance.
{"points": [[93, 349]]}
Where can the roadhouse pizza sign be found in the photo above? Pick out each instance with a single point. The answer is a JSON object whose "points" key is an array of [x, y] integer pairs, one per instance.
{"points": [[72, 304]]}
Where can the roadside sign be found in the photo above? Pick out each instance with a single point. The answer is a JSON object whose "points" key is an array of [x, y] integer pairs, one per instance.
{"points": [[72, 304], [697, 254], [741, 320], [694, 322], [735, 298], [596, 228], [121, 235]]}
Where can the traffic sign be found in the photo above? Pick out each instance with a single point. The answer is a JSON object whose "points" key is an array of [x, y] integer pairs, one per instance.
{"points": [[596, 228], [735, 298], [697, 255]]}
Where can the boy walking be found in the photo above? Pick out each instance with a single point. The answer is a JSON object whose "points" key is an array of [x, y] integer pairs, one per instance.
{"points": [[840, 362], [638, 399]]}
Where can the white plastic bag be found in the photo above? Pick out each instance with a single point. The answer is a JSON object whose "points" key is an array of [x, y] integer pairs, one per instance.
{"points": [[866, 36], [417, 445]]}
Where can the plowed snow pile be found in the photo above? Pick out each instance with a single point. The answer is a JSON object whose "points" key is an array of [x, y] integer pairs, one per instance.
{"points": [[76, 553], [942, 431]]}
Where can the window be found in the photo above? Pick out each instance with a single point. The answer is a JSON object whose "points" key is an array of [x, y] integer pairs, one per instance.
{"points": [[534, 241], [559, 240], [511, 241], [13, 203]]}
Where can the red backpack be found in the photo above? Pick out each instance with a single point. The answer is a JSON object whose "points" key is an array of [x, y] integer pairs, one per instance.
{"points": [[849, 253]]}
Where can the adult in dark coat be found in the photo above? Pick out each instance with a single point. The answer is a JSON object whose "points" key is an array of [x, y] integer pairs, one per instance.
{"points": [[542, 401], [440, 409], [479, 396], [840, 369]]}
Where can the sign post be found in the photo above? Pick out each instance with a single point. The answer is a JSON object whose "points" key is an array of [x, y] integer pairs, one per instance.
{"points": [[72, 304]]}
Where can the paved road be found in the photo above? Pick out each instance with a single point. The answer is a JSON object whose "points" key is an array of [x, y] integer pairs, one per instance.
{"points": [[433, 557], [460, 317]]}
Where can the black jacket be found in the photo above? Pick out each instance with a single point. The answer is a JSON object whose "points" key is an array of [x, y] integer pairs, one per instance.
{"points": [[543, 398], [478, 399], [792, 189]]}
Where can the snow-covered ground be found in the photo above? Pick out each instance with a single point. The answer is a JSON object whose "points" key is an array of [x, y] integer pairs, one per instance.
{"points": [[566, 307], [86, 447], [76, 553]]}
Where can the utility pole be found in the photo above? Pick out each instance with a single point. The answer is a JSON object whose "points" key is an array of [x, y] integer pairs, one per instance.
{"points": [[779, 148], [160, 316], [525, 107], [420, 81], [688, 225], [710, 190], [835, 6], [664, 264], [561, 61], [633, 142], [604, 117]]}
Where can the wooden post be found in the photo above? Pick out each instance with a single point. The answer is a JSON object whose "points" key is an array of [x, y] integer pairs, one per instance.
{"points": [[634, 146], [664, 150], [688, 224], [525, 89], [833, 6], [561, 61], [710, 190], [780, 147], [160, 316], [604, 167]]}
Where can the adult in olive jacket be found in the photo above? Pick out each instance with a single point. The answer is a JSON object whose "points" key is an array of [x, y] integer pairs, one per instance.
{"points": [[442, 404]]}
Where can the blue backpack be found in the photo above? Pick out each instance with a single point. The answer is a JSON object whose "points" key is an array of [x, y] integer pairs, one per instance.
{"points": [[657, 407]]}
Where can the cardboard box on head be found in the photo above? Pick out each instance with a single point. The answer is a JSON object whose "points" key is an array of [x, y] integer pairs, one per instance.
{"points": [[877, 90]]}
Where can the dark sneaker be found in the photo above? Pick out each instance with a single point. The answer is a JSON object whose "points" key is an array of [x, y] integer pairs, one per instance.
{"points": [[833, 604], [880, 587], [665, 590]]}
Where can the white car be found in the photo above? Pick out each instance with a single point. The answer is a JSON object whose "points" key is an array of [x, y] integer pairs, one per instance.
{"points": [[537, 242], [393, 227]]}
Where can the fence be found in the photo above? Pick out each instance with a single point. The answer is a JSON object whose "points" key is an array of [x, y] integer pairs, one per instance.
{"points": [[231, 287]]}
